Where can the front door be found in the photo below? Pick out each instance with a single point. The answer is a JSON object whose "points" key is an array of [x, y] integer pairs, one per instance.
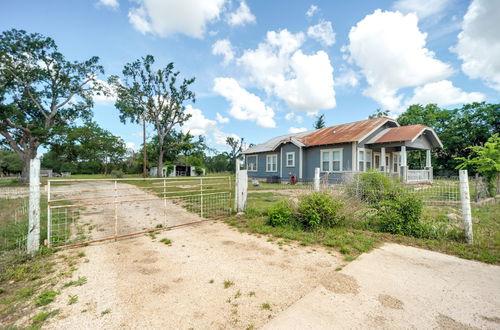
{"points": [[376, 160]]}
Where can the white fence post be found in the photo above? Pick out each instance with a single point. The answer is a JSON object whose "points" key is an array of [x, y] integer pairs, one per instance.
{"points": [[34, 204], [241, 189], [316, 179], [465, 199]]}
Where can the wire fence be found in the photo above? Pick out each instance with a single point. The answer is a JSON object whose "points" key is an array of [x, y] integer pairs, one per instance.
{"points": [[88, 210], [14, 212]]}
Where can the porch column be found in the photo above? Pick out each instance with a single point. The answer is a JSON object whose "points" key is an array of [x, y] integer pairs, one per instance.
{"points": [[428, 165], [300, 163], [404, 167], [382, 159]]}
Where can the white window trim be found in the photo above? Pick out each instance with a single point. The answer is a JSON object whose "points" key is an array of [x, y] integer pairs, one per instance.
{"points": [[256, 163], [398, 163], [267, 162], [365, 158], [293, 159], [380, 160], [330, 165]]}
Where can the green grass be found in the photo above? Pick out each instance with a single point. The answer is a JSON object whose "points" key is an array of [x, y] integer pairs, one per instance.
{"points": [[41, 317], [45, 298], [166, 241], [80, 281], [228, 284], [266, 306], [352, 241]]}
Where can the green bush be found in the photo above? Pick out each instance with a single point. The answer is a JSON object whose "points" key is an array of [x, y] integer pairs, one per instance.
{"points": [[401, 215], [281, 214], [372, 187], [319, 209], [117, 174]]}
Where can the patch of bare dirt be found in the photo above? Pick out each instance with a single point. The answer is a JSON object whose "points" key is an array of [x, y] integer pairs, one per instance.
{"points": [[340, 283], [390, 302]]}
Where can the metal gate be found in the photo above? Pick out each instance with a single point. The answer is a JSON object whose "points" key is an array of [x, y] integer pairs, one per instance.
{"points": [[82, 211]]}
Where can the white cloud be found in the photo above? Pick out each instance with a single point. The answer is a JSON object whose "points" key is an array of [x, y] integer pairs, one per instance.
{"points": [[292, 116], [105, 99], [297, 129], [241, 16], [312, 10], [443, 93], [479, 42], [390, 50], [131, 145], [278, 65], [198, 124], [221, 119], [423, 8], [109, 3], [244, 105], [347, 77], [220, 137], [223, 47], [168, 17], [322, 32]]}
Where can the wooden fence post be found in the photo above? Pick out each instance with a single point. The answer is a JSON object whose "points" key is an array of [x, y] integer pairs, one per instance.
{"points": [[465, 200], [33, 243], [316, 179]]}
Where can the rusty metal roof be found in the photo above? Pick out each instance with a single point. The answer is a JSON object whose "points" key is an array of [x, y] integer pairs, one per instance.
{"points": [[350, 132], [402, 133]]}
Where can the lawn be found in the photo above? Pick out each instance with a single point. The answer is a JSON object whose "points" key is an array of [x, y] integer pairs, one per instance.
{"points": [[352, 241]]}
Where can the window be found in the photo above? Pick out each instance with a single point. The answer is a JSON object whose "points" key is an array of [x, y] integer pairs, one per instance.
{"points": [[368, 159], [396, 162], [376, 160], [290, 159], [364, 159], [361, 160], [252, 163], [331, 160], [271, 163]]}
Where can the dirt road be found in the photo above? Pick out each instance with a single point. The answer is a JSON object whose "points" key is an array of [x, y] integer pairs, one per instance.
{"points": [[212, 276], [143, 283]]}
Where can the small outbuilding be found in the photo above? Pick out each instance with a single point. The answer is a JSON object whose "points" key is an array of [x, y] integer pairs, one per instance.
{"points": [[177, 170]]}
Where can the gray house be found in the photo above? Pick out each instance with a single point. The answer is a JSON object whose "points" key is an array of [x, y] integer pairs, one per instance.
{"points": [[379, 143]]}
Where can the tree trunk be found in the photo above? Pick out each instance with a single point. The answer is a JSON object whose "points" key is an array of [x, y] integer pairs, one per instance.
{"points": [[144, 152], [159, 172], [25, 173]]}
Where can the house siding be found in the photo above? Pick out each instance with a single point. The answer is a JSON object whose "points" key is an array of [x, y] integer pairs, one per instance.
{"points": [[261, 165], [312, 158], [294, 170]]}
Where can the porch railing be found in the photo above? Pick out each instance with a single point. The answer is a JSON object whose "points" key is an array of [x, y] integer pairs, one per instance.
{"points": [[419, 176]]}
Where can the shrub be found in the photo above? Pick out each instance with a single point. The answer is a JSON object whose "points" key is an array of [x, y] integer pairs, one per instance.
{"points": [[198, 170], [117, 174], [280, 214], [318, 210], [401, 215], [372, 187]]}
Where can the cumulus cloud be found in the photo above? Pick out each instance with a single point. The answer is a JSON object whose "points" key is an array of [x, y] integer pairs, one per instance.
{"points": [[109, 3], [312, 10], [322, 32], [168, 17], [223, 47], [347, 77], [198, 124], [244, 105], [297, 129], [390, 50], [292, 116], [220, 137], [423, 8], [241, 16], [221, 119], [278, 65], [479, 42], [443, 93]]}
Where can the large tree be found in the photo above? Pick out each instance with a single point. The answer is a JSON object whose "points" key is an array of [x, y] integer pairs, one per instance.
{"points": [[234, 154], [41, 91], [320, 122], [458, 129], [87, 149], [154, 95]]}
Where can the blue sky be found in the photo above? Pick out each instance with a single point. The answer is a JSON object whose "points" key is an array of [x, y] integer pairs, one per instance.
{"points": [[266, 68]]}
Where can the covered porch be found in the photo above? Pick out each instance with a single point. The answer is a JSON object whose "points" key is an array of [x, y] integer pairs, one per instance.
{"points": [[391, 148]]}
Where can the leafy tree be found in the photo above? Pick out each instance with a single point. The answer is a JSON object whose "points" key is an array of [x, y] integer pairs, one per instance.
{"points": [[86, 149], [379, 113], [320, 122], [486, 161], [41, 91], [235, 152], [10, 162], [156, 96], [472, 124], [218, 163]]}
